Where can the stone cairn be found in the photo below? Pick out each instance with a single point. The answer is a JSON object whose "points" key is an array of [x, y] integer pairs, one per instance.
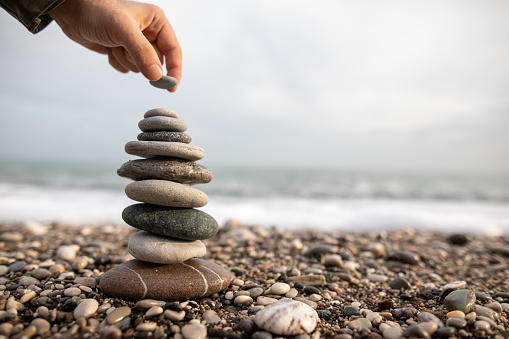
{"points": [[169, 241]]}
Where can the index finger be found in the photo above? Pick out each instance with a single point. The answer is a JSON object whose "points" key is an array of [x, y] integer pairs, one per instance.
{"points": [[168, 44]]}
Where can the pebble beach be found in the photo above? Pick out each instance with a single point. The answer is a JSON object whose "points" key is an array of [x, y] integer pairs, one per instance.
{"points": [[397, 284]]}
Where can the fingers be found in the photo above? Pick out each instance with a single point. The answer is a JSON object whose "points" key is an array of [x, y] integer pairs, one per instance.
{"points": [[115, 64], [141, 52], [124, 59], [168, 44]]}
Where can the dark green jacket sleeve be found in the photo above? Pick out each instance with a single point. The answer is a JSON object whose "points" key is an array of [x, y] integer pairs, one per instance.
{"points": [[33, 14]]}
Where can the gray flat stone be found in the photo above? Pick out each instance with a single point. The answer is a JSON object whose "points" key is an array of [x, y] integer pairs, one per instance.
{"points": [[166, 193], [165, 136], [148, 149], [161, 112], [183, 171], [166, 82], [136, 280], [181, 223], [159, 123], [150, 247]]}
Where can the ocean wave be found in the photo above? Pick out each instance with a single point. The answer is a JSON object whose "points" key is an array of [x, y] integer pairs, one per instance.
{"points": [[79, 206]]}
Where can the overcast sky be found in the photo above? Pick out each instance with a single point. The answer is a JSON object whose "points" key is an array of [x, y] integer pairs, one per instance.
{"points": [[392, 85]]}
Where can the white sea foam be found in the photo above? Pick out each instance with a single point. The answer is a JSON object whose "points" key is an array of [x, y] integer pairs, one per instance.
{"points": [[20, 202]]}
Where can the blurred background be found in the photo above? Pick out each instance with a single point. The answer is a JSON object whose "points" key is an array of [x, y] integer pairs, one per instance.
{"points": [[334, 115]]}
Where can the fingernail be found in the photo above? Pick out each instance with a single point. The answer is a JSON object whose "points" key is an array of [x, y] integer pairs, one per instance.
{"points": [[154, 72]]}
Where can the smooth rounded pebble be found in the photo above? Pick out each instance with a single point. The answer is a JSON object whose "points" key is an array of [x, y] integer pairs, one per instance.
{"points": [[279, 288], [148, 149], [117, 315], [166, 82], [183, 171], [181, 223], [482, 325], [161, 112], [166, 193], [86, 309], [42, 325], [194, 331], [164, 136], [66, 252], [150, 247], [40, 273], [287, 317], [462, 300], [393, 333], [135, 280], [160, 123]]}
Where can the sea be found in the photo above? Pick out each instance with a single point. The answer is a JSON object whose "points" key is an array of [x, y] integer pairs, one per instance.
{"points": [[288, 198]]}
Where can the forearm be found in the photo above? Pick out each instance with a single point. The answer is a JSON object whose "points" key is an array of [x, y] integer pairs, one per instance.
{"points": [[33, 14]]}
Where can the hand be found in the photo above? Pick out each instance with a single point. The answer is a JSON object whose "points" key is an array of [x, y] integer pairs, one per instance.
{"points": [[136, 36]]}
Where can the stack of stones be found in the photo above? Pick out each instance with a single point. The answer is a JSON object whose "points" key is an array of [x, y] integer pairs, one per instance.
{"points": [[167, 247]]}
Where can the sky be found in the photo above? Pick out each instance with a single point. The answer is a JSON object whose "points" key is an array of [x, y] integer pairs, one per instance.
{"points": [[377, 85]]}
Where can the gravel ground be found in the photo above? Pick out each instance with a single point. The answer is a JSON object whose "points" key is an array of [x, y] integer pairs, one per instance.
{"points": [[362, 285]]}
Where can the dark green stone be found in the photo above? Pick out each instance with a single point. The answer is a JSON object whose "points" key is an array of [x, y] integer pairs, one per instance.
{"points": [[181, 223]]}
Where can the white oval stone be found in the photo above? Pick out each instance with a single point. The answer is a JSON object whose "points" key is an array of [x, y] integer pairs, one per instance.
{"points": [[287, 317], [86, 308], [279, 288], [66, 252], [148, 149], [166, 193], [147, 246]]}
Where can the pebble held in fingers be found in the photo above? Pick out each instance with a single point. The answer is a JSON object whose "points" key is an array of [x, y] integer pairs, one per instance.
{"points": [[166, 82]]}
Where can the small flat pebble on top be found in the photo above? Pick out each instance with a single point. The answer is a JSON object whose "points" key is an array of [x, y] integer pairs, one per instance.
{"points": [[161, 112], [166, 82]]}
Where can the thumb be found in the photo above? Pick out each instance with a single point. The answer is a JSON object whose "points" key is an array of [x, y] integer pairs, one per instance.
{"points": [[143, 55]]}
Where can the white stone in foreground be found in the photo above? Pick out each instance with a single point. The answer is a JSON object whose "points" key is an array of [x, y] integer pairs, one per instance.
{"points": [[287, 317]]}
